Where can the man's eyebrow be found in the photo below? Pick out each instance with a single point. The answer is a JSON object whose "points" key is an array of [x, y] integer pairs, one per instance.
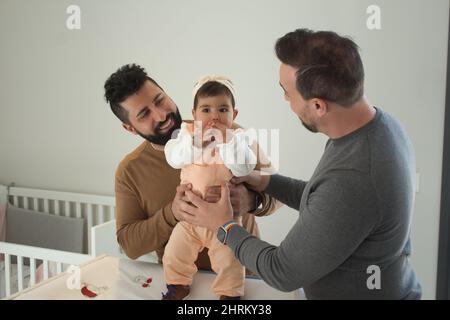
{"points": [[157, 97], [142, 111], [144, 108]]}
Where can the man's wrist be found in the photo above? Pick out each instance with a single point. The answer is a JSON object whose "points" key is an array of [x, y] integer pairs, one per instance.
{"points": [[223, 231], [266, 181], [173, 213], [257, 201]]}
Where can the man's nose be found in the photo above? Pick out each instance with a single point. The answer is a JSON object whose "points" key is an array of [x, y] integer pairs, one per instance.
{"points": [[160, 115]]}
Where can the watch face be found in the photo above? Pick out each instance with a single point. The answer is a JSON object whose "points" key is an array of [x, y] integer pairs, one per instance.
{"points": [[221, 235]]}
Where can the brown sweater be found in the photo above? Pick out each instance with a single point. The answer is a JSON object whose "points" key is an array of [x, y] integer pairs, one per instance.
{"points": [[145, 186]]}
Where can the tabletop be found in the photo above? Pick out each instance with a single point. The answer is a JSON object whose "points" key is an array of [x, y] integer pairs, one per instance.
{"points": [[113, 278]]}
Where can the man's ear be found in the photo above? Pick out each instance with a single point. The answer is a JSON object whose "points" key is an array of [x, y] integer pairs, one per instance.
{"points": [[320, 107], [235, 113], [129, 128]]}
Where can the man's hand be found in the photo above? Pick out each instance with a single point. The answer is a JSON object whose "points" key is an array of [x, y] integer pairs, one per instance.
{"points": [[212, 194], [179, 204], [206, 214], [255, 180], [242, 199]]}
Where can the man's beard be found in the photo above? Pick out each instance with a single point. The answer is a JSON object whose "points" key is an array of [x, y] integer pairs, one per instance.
{"points": [[310, 127], [162, 139]]}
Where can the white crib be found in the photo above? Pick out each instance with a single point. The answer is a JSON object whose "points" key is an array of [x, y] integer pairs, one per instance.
{"points": [[95, 209], [98, 214], [26, 275]]}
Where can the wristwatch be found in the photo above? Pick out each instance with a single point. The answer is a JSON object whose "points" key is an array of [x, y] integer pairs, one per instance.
{"points": [[258, 201], [222, 232]]}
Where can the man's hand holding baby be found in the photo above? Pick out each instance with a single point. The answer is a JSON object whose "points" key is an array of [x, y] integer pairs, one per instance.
{"points": [[242, 199], [179, 204], [209, 215]]}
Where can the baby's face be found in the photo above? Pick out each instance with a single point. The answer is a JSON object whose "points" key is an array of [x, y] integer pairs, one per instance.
{"points": [[214, 110]]}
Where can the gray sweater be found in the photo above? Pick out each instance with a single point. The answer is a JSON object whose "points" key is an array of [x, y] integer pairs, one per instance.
{"points": [[354, 213]]}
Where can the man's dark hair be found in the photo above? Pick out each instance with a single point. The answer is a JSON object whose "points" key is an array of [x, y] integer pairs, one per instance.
{"points": [[127, 80], [329, 66], [212, 89]]}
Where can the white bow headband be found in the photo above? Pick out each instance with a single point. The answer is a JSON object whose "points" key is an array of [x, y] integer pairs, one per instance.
{"points": [[221, 79]]}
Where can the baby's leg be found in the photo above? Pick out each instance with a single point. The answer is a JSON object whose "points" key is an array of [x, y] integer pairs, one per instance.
{"points": [[180, 254], [230, 273]]}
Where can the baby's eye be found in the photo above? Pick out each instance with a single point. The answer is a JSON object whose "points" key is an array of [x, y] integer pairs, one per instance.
{"points": [[205, 110], [223, 109]]}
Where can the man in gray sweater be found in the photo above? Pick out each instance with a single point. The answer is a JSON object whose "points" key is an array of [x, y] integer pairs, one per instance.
{"points": [[351, 239]]}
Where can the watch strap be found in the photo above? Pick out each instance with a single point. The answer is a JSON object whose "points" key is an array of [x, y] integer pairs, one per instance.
{"points": [[226, 229]]}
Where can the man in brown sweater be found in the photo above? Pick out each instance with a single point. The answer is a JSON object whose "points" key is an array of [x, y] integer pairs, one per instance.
{"points": [[148, 196]]}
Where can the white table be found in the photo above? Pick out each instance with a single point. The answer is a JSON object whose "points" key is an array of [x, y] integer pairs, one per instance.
{"points": [[122, 279]]}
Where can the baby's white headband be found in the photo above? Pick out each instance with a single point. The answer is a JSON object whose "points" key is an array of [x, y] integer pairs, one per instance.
{"points": [[221, 79]]}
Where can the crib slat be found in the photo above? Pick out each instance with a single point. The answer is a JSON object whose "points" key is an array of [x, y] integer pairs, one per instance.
{"points": [[15, 201], [35, 204], [8, 274], [58, 267], [110, 213], [89, 224], [107, 213], [113, 212], [32, 271], [57, 208], [67, 208], [78, 209], [20, 272], [100, 215], [45, 262], [46, 205], [25, 203]]}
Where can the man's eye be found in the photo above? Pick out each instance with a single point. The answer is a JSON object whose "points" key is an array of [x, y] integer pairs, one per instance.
{"points": [[145, 114], [159, 101]]}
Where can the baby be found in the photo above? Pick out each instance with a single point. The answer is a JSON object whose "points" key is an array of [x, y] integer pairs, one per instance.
{"points": [[208, 152]]}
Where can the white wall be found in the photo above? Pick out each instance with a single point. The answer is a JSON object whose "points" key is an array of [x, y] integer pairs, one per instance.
{"points": [[56, 131]]}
